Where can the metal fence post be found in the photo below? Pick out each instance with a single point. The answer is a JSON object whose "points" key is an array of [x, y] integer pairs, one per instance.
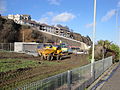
{"points": [[2, 46], [7, 46], [103, 65], [69, 79], [10, 46]]}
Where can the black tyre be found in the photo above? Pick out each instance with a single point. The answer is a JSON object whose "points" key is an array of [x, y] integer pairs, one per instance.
{"points": [[42, 57], [58, 57], [50, 57], [39, 54]]}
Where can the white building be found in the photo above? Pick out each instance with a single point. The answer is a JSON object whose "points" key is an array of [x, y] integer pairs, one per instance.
{"points": [[18, 18], [11, 17]]}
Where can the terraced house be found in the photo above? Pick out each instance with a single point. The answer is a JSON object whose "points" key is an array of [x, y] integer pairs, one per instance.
{"points": [[57, 29]]}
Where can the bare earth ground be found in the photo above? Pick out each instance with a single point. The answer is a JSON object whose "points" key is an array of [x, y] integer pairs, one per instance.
{"points": [[44, 68]]}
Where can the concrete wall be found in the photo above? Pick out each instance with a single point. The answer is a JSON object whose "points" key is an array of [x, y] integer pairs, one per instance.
{"points": [[68, 41], [18, 47], [25, 46], [30, 47]]}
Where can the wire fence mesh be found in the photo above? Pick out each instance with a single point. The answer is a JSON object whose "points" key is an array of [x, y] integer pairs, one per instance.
{"points": [[7, 46], [76, 79]]}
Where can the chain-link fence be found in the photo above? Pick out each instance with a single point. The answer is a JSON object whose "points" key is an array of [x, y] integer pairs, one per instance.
{"points": [[7, 46], [76, 79]]}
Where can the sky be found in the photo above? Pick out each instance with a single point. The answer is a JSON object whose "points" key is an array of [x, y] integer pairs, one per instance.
{"points": [[76, 14]]}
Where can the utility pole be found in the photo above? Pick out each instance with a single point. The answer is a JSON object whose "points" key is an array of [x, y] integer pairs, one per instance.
{"points": [[93, 45], [23, 36], [118, 27]]}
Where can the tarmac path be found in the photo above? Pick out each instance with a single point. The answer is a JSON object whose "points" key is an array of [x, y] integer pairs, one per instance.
{"points": [[114, 82]]}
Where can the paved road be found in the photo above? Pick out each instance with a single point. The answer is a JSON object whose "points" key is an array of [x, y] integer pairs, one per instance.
{"points": [[114, 82]]}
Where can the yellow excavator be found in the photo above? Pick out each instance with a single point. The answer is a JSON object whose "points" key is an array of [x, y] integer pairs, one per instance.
{"points": [[49, 52]]}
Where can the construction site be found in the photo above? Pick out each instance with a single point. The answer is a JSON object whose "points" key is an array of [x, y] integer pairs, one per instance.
{"points": [[27, 66], [35, 54]]}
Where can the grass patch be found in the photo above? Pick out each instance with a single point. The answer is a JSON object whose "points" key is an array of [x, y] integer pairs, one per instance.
{"points": [[18, 66], [13, 64]]}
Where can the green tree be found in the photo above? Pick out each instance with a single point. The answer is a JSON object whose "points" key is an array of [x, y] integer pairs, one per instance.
{"points": [[101, 42], [105, 48], [116, 49]]}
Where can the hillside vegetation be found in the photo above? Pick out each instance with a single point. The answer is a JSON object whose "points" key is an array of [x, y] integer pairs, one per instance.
{"points": [[9, 31], [105, 48]]}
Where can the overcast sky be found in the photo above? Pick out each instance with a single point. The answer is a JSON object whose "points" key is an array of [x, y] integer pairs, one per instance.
{"points": [[76, 14]]}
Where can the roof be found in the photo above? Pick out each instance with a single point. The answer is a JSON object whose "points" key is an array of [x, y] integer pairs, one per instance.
{"points": [[63, 28], [26, 15], [29, 21], [47, 25]]}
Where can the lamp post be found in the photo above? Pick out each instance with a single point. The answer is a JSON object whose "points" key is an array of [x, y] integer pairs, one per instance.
{"points": [[93, 45], [118, 27]]}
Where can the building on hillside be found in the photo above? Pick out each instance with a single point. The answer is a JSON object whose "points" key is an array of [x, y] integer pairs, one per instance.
{"points": [[26, 17], [26, 20], [58, 30], [19, 18], [64, 31], [10, 17], [48, 28], [30, 23]]}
